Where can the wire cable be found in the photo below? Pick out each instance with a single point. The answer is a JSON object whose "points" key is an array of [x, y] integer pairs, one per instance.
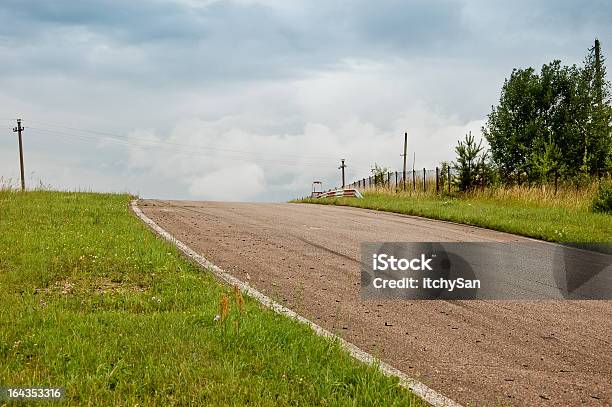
{"points": [[114, 135], [192, 151]]}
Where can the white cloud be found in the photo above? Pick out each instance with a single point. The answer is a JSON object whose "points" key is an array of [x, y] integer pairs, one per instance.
{"points": [[266, 93], [240, 182], [251, 149]]}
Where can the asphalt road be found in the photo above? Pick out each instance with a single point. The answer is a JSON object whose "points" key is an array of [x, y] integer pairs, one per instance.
{"points": [[546, 352]]}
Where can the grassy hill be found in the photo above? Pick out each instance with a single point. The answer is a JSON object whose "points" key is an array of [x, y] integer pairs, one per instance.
{"points": [[92, 301], [564, 217]]}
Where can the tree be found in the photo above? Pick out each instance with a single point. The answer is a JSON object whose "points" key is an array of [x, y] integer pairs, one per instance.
{"points": [[445, 166], [513, 124], [379, 174], [548, 163], [597, 112], [471, 162], [557, 120], [558, 143]]}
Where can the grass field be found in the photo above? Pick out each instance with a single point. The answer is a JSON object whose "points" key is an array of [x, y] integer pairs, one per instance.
{"points": [[565, 217], [92, 301]]}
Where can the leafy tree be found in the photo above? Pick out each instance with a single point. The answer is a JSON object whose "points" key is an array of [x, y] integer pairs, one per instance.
{"points": [[513, 124], [558, 142], [380, 174], [557, 120], [444, 170]]}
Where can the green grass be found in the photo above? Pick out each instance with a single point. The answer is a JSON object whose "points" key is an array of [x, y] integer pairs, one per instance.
{"points": [[529, 213], [92, 301]]}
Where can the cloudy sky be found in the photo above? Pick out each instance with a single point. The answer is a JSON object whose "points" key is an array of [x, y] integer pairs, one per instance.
{"points": [[251, 100]]}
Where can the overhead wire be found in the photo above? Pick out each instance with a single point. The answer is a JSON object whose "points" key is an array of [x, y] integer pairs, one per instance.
{"points": [[115, 135], [135, 141], [187, 149]]}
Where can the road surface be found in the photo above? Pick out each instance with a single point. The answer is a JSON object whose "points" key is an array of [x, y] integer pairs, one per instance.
{"points": [[548, 352]]}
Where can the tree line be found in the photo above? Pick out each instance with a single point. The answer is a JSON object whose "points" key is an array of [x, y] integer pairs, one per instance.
{"points": [[557, 122]]}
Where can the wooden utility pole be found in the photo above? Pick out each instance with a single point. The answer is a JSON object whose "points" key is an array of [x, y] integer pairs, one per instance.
{"points": [[404, 155], [342, 167], [18, 130]]}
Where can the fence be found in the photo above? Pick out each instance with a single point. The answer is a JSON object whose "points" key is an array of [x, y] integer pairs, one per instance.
{"points": [[415, 180], [446, 181]]}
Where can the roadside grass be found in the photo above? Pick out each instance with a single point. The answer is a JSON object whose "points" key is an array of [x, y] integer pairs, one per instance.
{"points": [[538, 213], [92, 301]]}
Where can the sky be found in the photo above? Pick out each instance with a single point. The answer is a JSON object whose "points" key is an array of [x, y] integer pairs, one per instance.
{"points": [[252, 100]]}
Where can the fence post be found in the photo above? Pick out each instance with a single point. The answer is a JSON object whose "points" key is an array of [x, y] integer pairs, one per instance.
{"points": [[449, 178], [414, 179], [389, 180], [396, 180], [437, 180], [423, 179], [482, 180]]}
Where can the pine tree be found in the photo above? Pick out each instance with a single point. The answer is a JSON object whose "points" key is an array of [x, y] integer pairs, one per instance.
{"points": [[598, 126], [471, 160]]}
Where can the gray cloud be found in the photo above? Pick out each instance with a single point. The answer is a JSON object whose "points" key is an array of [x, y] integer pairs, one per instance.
{"points": [[222, 40], [135, 21], [266, 76]]}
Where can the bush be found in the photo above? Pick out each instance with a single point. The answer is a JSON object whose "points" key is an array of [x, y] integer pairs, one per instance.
{"points": [[602, 202]]}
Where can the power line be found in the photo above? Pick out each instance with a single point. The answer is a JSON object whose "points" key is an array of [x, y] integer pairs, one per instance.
{"points": [[192, 151], [157, 143], [115, 135], [146, 144], [137, 142]]}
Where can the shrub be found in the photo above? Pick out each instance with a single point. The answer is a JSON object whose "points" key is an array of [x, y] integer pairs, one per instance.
{"points": [[602, 201]]}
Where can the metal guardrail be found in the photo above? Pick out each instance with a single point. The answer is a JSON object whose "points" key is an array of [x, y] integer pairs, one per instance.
{"points": [[346, 192]]}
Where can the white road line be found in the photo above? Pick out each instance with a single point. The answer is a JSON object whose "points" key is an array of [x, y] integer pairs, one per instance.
{"points": [[429, 395]]}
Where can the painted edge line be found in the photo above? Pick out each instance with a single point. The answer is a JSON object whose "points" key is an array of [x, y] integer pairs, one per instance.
{"points": [[423, 391]]}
